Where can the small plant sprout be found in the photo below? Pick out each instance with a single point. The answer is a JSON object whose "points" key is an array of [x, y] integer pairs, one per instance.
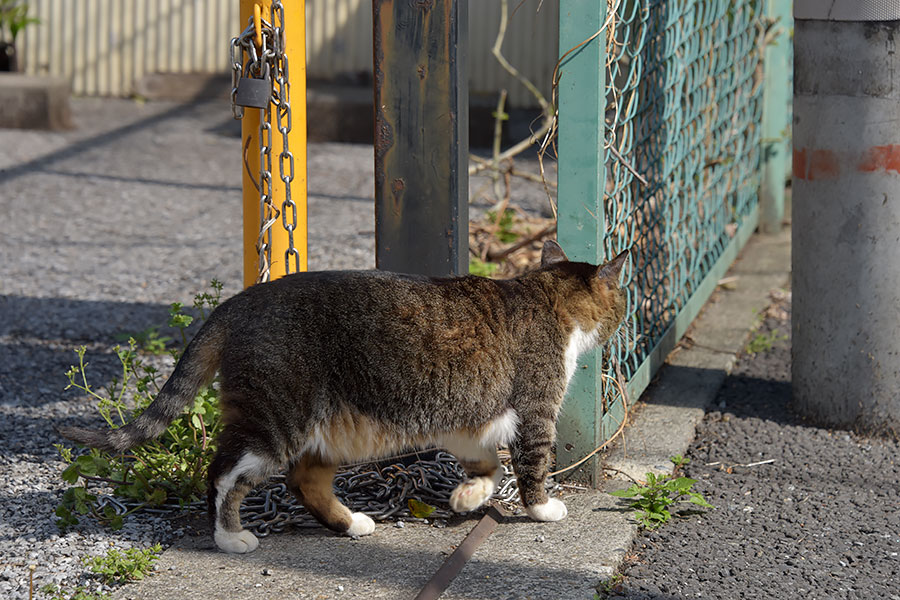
{"points": [[763, 342], [148, 340], [608, 587], [481, 268], [652, 500], [504, 225], [679, 460], [117, 567], [55, 592], [121, 566]]}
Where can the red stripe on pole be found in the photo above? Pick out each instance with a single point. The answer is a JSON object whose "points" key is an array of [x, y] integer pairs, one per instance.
{"points": [[881, 158], [813, 165]]}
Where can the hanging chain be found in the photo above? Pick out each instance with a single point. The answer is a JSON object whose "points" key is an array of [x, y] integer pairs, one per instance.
{"points": [[268, 214], [237, 69], [282, 101], [262, 63]]}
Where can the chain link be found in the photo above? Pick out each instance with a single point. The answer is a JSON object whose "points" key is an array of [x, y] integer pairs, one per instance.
{"points": [[382, 492], [237, 69], [282, 101], [262, 63], [268, 213]]}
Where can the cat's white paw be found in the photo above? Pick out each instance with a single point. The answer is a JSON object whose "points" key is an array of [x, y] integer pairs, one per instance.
{"points": [[553, 510], [237, 542], [471, 494], [361, 525]]}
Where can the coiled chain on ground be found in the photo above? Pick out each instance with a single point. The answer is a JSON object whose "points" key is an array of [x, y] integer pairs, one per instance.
{"points": [[381, 490]]}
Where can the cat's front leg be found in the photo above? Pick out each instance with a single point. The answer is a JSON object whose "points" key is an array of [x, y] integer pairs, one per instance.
{"points": [[483, 469], [530, 453]]}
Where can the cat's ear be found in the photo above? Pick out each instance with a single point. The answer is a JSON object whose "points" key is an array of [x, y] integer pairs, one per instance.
{"points": [[612, 269], [552, 253]]}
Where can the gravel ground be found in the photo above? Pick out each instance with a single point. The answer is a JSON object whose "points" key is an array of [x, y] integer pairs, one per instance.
{"points": [[101, 228], [820, 520]]}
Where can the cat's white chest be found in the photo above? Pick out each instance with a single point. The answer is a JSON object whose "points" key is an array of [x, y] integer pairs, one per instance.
{"points": [[501, 431], [579, 342]]}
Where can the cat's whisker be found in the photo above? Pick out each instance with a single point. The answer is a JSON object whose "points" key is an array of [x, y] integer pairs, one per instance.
{"points": [[625, 336]]}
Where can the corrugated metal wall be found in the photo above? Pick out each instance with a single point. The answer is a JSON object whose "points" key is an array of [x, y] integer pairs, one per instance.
{"points": [[530, 45], [105, 46]]}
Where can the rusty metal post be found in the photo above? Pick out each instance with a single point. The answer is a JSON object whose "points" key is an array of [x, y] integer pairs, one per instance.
{"points": [[421, 136]]}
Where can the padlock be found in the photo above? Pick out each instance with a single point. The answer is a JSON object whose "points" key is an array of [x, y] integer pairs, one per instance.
{"points": [[254, 93]]}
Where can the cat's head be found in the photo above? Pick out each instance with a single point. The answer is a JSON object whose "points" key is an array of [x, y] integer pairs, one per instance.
{"points": [[591, 295]]}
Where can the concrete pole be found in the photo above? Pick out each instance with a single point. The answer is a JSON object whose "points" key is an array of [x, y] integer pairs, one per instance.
{"points": [[846, 214]]}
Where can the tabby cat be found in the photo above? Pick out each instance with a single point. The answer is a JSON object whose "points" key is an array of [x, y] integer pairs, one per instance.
{"points": [[325, 368]]}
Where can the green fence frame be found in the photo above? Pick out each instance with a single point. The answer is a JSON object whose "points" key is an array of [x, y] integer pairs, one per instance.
{"points": [[714, 165]]}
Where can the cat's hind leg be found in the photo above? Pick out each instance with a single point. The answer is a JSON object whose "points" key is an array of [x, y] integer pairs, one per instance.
{"points": [[483, 469], [310, 480], [232, 474]]}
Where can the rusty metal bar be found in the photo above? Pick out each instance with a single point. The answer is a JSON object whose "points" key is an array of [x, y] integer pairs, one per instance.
{"points": [[421, 136], [444, 576]]}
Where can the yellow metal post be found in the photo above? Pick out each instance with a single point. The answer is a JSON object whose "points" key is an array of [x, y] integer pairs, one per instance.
{"points": [[295, 51]]}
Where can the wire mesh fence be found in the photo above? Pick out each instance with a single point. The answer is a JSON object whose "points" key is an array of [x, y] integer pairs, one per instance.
{"points": [[682, 154]]}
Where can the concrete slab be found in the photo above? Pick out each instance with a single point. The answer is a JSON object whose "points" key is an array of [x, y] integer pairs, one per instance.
{"points": [[34, 102], [183, 87], [521, 559]]}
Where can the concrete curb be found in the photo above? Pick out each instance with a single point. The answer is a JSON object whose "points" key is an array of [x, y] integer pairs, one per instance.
{"points": [[521, 559], [34, 102]]}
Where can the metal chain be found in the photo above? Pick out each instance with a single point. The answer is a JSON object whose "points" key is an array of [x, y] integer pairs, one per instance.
{"points": [[262, 63], [282, 101], [237, 69], [268, 213], [380, 492]]}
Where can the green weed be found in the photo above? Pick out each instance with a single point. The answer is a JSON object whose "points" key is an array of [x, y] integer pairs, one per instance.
{"points": [[148, 340], [504, 225], [608, 587], [653, 499], [763, 342], [679, 460], [172, 467], [481, 268], [79, 593], [118, 566], [121, 566]]}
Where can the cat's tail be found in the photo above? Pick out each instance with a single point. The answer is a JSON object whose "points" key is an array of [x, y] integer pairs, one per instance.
{"points": [[196, 369]]}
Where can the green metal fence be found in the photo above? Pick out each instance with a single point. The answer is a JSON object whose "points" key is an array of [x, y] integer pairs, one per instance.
{"points": [[660, 150]]}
